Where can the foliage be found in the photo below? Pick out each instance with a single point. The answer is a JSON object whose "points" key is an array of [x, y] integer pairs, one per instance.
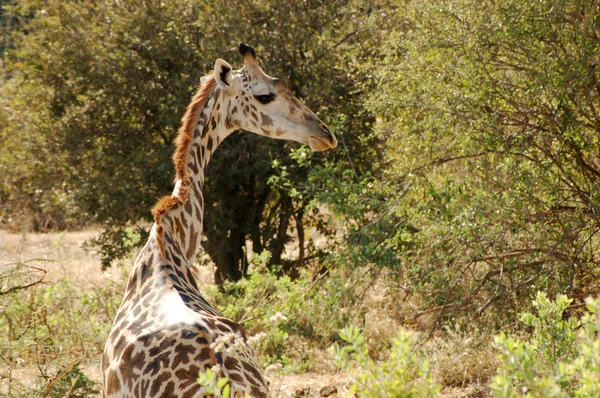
{"points": [[284, 314], [72, 383], [486, 189], [403, 374], [218, 387], [33, 191], [38, 317], [215, 386], [561, 358]]}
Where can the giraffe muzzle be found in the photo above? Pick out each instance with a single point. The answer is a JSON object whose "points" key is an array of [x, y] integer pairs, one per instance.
{"points": [[323, 140]]}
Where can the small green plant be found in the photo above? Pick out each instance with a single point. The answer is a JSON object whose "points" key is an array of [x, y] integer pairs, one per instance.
{"points": [[71, 383], [561, 358], [131, 238], [218, 387], [403, 374]]}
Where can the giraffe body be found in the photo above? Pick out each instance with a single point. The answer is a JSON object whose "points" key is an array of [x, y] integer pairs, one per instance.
{"points": [[165, 332]]}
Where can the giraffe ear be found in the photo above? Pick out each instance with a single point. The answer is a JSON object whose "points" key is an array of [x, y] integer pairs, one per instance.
{"points": [[222, 74]]}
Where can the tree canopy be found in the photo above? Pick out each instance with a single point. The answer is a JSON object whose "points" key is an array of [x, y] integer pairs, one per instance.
{"points": [[99, 88]]}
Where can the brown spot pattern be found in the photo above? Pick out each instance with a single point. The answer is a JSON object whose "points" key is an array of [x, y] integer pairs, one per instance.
{"points": [[266, 120]]}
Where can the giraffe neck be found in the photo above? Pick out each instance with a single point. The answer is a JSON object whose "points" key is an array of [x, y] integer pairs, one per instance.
{"points": [[183, 223], [168, 256]]}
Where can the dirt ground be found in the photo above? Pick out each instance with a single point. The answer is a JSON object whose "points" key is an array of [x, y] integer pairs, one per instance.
{"points": [[69, 259]]}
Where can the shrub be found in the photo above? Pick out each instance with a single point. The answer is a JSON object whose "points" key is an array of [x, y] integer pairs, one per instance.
{"points": [[218, 387], [66, 383], [403, 374], [560, 359], [275, 308]]}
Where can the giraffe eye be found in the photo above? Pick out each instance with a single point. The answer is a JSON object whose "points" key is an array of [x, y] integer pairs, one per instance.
{"points": [[265, 98]]}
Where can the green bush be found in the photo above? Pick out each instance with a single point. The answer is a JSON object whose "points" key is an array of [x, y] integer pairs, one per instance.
{"points": [[218, 387], [560, 359], [283, 314], [403, 374], [45, 320]]}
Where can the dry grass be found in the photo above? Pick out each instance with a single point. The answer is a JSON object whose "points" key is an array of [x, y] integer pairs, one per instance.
{"points": [[67, 259], [462, 362]]}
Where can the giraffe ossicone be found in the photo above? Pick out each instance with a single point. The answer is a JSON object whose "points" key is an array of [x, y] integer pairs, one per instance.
{"points": [[165, 332]]}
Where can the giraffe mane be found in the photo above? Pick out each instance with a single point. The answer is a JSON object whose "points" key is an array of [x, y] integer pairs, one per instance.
{"points": [[183, 142], [188, 124]]}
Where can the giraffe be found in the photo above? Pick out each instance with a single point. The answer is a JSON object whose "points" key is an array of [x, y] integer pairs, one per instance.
{"points": [[165, 332]]}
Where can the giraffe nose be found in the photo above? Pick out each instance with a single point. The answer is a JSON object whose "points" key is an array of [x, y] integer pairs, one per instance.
{"points": [[330, 135]]}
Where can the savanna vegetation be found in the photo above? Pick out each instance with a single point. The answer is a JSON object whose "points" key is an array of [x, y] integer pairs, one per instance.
{"points": [[449, 245]]}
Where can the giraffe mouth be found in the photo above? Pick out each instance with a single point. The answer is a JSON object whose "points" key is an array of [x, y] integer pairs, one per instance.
{"points": [[325, 140], [321, 143]]}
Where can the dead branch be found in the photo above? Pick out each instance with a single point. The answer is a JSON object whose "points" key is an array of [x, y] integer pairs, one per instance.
{"points": [[27, 285]]}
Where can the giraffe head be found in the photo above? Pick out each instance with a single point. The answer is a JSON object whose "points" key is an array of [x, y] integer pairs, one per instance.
{"points": [[264, 105]]}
